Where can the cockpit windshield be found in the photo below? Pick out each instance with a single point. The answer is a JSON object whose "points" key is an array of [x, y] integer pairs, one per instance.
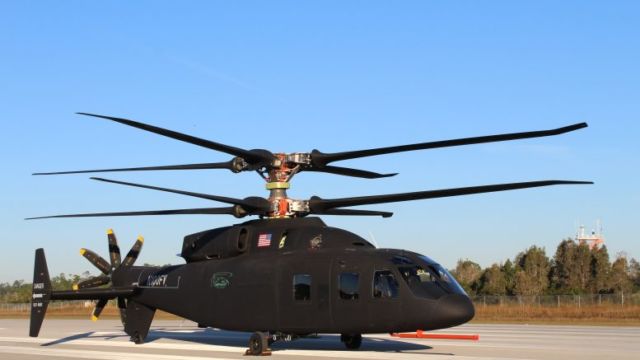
{"points": [[426, 278]]}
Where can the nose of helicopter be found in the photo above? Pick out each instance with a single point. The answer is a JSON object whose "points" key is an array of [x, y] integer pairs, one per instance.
{"points": [[452, 310]]}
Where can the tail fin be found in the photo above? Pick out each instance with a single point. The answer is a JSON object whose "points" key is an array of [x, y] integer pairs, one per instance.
{"points": [[41, 293]]}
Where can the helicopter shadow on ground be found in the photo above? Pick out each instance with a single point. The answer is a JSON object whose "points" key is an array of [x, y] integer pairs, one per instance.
{"points": [[217, 337], [322, 342]]}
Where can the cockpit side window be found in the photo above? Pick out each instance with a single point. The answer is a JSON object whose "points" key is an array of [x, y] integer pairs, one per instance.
{"points": [[448, 278], [426, 279], [385, 285]]}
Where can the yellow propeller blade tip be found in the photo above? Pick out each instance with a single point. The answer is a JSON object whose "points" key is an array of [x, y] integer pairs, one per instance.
{"points": [[74, 287], [140, 238], [82, 251], [94, 318], [110, 231]]}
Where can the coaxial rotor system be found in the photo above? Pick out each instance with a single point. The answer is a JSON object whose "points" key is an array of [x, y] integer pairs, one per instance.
{"points": [[279, 168]]}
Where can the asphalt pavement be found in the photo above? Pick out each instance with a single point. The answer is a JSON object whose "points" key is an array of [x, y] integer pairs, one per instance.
{"points": [[183, 340]]}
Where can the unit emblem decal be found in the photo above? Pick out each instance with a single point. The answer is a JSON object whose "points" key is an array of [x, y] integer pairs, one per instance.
{"points": [[221, 280]]}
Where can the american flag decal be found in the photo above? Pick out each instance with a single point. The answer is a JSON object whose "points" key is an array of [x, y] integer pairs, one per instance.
{"points": [[264, 240]]}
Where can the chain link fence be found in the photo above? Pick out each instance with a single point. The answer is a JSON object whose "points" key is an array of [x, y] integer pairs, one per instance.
{"points": [[60, 305], [558, 300]]}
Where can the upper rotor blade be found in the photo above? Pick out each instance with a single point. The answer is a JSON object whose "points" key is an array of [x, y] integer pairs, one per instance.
{"points": [[318, 205], [384, 214], [198, 211], [249, 156], [202, 166], [349, 172], [222, 199], [320, 159]]}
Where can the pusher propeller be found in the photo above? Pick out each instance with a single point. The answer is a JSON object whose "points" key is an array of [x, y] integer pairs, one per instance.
{"points": [[107, 270]]}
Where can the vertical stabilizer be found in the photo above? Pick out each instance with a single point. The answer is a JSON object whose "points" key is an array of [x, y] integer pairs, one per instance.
{"points": [[41, 293]]}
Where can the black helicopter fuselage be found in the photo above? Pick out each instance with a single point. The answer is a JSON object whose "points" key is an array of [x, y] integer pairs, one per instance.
{"points": [[299, 276]]}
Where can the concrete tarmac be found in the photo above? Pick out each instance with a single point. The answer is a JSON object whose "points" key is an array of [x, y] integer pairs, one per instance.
{"points": [[183, 340]]}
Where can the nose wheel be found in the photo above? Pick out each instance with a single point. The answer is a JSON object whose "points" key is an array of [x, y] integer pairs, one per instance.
{"points": [[351, 341]]}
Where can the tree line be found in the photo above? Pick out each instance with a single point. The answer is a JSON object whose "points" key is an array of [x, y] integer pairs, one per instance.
{"points": [[20, 291], [574, 269]]}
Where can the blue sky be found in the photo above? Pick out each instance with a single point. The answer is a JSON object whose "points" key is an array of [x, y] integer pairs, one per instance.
{"points": [[294, 76]]}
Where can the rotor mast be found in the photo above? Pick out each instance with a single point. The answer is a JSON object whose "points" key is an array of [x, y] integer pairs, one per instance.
{"points": [[278, 177]]}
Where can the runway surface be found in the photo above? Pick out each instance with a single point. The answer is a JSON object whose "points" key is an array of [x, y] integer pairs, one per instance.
{"points": [[183, 340]]}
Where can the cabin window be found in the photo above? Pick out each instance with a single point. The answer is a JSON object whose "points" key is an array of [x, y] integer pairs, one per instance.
{"points": [[302, 287], [348, 286], [385, 285]]}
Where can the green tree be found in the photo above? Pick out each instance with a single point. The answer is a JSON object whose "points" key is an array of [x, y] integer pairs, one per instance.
{"points": [[600, 268], [634, 273], [493, 281], [509, 271], [620, 282], [532, 273], [582, 268], [562, 273], [468, 273]]}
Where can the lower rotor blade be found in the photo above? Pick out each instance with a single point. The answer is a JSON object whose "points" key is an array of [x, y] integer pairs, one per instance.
{"points": [[96, 260], [319, 206], [221, 165], [92, 282], [198, 211], [222, 199], [349, 172], [98, 309], [132, 255]]}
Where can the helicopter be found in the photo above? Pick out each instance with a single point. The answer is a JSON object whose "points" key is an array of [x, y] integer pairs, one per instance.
{"points": [[286, 274]]}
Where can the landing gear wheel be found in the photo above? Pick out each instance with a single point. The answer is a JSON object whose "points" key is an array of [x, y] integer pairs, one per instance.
{"points": [[259, 344], [137, 339], [351, 341]]}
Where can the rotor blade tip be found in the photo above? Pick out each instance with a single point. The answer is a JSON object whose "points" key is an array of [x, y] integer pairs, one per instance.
{"points": [[74, 287], [109, 231], [94, 318], [83, 251], [140, 238]]}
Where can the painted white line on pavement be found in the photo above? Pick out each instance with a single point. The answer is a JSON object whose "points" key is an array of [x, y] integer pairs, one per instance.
{"points": [[97, 355]]}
